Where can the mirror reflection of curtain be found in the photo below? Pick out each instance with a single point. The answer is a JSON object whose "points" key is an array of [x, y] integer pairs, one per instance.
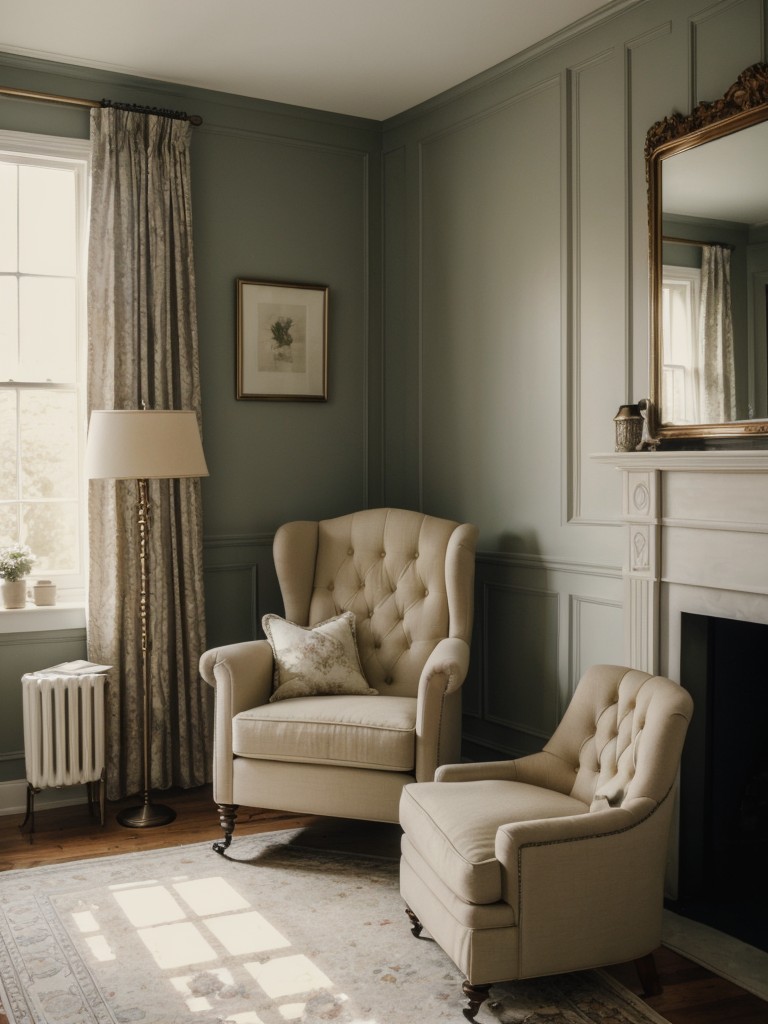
{"points": [[717, 393]]}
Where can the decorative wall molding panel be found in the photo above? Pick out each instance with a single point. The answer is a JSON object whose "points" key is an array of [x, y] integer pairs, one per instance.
{"points": [[538, 624]]}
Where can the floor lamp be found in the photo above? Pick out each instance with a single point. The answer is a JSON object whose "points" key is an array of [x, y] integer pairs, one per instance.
{"points": [[144, 445]]}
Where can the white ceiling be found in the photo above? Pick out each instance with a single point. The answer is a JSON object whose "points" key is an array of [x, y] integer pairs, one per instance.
{"points": [[370, 58]]}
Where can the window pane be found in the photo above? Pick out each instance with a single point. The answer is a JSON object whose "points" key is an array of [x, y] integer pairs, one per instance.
{"points": [[42, 350], [9, 526], [51, 532], [8, 478], [49, 453], [9, 329], [48, 321], [47, 221], [8, 220]]}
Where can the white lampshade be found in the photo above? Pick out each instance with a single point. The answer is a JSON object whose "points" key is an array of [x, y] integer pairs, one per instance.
{"points": [[144, 444]]}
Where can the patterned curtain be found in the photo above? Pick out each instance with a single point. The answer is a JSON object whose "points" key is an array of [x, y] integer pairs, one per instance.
{"points": [[143, 348], [717, 392]]}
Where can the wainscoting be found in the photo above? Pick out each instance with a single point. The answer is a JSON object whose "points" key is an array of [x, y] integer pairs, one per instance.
{"points": [[240, 587], [539, 623]]}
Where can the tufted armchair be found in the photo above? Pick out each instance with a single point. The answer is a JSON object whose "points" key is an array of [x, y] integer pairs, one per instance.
{"points": [[553, 862], [408, 578]]}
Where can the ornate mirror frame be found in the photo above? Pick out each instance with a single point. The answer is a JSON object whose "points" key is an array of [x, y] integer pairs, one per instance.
{"points": [[744, 104]]}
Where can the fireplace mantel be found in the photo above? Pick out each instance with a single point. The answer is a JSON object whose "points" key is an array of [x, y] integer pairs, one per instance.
{"points": [[696, 538], [753, 461]]}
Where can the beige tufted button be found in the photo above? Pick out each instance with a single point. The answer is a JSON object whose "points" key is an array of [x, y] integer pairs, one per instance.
{"points": [[377, 645], [330, 586], [351, 551], [383, 554], [388, 680], [416, 555], [426, 593]]}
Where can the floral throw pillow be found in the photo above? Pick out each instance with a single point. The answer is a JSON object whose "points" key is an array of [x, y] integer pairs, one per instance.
{"points": [[317, 661]]}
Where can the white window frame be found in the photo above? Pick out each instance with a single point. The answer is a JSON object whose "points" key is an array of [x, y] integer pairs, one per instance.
{"points": [[42, 150]]}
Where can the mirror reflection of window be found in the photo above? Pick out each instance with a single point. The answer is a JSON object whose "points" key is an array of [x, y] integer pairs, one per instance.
{"points": [[680, 344]]}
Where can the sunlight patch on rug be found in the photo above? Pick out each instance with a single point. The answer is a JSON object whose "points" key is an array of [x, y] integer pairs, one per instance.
{"points": [[278, 933]]}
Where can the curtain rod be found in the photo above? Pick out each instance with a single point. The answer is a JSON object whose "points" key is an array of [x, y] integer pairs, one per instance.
{"points": [[669, 240], [73, 101]]}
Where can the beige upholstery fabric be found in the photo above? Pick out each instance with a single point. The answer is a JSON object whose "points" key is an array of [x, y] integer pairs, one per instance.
{"points": [[377, 733], [403, 575], [408, 579], [553, 862], [457, 825]]}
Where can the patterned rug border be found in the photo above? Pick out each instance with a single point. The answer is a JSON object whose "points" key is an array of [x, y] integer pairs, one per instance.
{"points": [[281, 842]]}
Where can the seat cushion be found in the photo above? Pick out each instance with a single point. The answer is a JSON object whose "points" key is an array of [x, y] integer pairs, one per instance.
{"points": [[453, 826], [361, 732]]}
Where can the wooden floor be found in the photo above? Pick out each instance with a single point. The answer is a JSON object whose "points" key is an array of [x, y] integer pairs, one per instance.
{"points": [[691, 994]]}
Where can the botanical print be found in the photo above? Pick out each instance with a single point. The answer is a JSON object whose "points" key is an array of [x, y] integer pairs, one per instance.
{"points": [[282, 340]]}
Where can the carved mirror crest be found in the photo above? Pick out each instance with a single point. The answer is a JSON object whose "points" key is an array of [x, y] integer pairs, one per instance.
{"points": [[708, 222]]}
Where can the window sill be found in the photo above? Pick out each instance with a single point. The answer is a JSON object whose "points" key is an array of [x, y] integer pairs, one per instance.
{"points": [[41, 620]]}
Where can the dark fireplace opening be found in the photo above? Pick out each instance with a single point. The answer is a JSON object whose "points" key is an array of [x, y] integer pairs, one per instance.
{"points": [[723, 851]]}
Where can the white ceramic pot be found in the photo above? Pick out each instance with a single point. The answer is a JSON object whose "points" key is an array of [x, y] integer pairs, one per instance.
{"points": [[14, 593], [44, 593]]}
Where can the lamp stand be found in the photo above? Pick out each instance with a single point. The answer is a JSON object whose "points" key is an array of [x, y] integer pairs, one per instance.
{"points": [[147, 815]]}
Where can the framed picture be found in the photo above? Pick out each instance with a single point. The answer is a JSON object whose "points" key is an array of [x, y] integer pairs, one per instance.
{"points": [[282, 341]]}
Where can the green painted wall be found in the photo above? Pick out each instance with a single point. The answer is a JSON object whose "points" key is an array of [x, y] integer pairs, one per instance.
{"points": [[487, 259], [516, 312]]}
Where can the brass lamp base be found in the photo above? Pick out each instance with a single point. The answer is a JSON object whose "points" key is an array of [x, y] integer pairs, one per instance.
{"points": [[146, 816]]}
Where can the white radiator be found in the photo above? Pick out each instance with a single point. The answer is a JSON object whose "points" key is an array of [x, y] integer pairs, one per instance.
{"points": [[63, 729]]}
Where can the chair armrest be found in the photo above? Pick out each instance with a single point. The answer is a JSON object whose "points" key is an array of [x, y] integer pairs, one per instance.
{"points": [[540, 769], [596, 878], [442, 676], [476, 771], [241, 675], [446, 667], [243, 670], [511, 839]]}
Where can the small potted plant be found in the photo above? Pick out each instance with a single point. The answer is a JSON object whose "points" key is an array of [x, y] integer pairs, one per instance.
{"points": [[16, 564]]}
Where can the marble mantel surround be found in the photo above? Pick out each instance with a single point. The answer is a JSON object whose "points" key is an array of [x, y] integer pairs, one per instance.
{"points": [[696, 540]]}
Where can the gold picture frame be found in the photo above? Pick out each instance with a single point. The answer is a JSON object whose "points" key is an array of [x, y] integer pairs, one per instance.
{"points": [[282, 338]]}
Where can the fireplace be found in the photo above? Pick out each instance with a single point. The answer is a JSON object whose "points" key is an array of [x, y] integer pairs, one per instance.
{"points": [[723, 834], [696, 553]]}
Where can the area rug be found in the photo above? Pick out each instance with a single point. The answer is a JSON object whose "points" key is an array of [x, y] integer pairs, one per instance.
{"points": [[273, 934]]}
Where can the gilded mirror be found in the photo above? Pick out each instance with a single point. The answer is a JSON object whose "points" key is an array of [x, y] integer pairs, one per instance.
{"points": [[708, 221]]}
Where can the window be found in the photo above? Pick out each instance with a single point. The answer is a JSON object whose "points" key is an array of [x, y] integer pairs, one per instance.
{"points": [[680, 334], [43, 227]]}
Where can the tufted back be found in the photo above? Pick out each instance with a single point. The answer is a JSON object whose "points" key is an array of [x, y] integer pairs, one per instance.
{"points": [[407, 577], [622, 735]]}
